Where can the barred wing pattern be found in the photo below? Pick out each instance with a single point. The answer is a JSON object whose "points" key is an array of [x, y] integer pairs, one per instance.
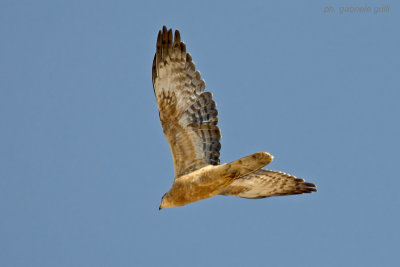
{"points": [[266, 183], [188, 115]]}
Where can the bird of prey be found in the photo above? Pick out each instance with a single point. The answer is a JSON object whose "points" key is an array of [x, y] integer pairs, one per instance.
{"points": [[189, 120]]}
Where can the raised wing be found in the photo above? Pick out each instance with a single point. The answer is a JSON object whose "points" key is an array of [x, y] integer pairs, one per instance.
{"points": [[188, 115], [266, 183]]}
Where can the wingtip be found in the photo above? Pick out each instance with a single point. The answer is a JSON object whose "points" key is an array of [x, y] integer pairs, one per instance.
{"points": [[264, 157], [169, 35], [183, 48], [177, 37], [159, 39]]}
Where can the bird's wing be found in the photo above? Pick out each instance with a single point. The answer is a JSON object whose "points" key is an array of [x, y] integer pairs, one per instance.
{"points": [[266, 183], [188, 115]]}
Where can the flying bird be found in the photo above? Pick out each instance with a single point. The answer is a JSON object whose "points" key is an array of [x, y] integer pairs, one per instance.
{"points": [[189, 120]]}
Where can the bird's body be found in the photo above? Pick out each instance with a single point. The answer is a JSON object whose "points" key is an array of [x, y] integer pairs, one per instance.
{"points": [[212, 180], [189, 120]]}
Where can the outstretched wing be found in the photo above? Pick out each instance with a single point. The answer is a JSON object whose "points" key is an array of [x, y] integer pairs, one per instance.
{"points": [[188, 115], [266, 183]]}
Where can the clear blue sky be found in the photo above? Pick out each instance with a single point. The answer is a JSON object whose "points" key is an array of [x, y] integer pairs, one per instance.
{"points": [[84, 163]]}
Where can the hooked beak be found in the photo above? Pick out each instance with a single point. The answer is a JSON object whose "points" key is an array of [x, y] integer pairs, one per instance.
{"points": [[159, 208]]}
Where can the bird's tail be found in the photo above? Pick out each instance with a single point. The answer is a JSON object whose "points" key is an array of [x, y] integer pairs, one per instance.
{"points": [[267, 183]]}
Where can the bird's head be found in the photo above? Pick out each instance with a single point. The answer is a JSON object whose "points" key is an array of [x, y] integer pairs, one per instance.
{"points": [[165, 203]]}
